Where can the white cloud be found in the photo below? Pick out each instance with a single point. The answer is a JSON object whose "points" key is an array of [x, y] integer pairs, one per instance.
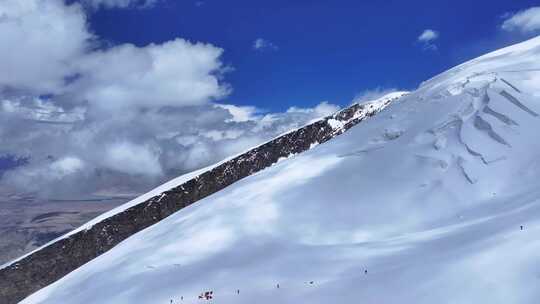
{"points": [[261, 44], [427, 38], [39, 110], [428, 35], [39, 176], [39, 42], [120, 119], [66, 166], [525, 21], [218, 135], [126, 157], [132, 151], [239, 113], [53, 45], [174, 73]]}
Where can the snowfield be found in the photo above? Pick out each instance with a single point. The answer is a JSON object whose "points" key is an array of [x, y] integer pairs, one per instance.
{"points": [[434, 200]]}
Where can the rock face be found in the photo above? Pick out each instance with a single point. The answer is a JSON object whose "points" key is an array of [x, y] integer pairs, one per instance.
{"points": [[49, 264]]}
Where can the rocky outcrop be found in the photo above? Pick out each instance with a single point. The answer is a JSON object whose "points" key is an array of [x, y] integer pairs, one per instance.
{"points": [[47, 265]]}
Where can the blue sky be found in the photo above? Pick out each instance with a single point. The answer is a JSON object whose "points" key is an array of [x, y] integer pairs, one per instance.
{"points": [[103, 97], [326, 50]]}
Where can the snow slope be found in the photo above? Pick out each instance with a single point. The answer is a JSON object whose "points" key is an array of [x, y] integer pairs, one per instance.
{"points": [[427, 196], [339, 123]]}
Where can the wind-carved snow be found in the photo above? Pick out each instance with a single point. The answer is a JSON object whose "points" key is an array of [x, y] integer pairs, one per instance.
{"points": [[446, 212]]}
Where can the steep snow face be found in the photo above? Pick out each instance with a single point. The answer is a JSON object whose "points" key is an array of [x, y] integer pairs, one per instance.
{"points": [[434, 200]]}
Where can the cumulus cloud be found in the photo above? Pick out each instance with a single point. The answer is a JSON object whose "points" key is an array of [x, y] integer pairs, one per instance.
{"points": [[39, 42], [525, 21], [173, 73], [261, 44], [55, 56], [92, 120], [427, 38]]}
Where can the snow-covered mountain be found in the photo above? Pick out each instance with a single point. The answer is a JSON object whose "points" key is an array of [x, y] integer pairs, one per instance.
{"points": [[47, 264], [434, 200]]}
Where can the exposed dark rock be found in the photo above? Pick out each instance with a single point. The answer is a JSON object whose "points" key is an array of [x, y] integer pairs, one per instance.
{"points": [[45, 266], [44, 237]]}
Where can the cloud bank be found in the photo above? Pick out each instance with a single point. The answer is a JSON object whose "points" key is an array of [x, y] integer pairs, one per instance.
{"points": [[96, 120]]}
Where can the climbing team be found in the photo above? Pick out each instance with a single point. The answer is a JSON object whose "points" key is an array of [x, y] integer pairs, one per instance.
{"points": [[209, 295]]}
